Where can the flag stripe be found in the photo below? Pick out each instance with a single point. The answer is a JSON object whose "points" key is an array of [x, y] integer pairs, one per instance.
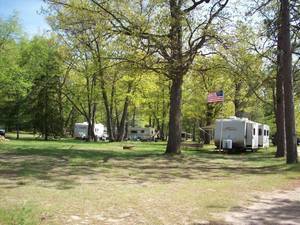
{"points": [[215, 97]]}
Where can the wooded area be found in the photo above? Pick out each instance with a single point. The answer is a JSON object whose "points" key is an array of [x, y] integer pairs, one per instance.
{"points": [[152, 63]]}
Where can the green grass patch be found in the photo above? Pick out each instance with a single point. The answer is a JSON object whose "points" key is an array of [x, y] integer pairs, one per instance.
{"points": [[25, 215], [75, 181]]}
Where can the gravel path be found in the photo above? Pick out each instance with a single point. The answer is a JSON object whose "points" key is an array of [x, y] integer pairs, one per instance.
{"points": [[278, 207]]}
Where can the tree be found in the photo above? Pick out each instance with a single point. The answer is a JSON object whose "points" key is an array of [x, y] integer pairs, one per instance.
{"points": [[285, 64], [270, 51], [174, 39], [88, 34], [41, 61], [14, 83]]}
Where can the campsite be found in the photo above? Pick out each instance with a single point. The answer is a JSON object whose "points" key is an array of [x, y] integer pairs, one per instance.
{"points": [[155, 112], [39, 182]]}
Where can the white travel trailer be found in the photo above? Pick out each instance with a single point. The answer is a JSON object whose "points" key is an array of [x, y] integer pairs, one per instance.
{"points": [[186, 136], [141, 133], [237, 133], [263, 136], [81, 131]]}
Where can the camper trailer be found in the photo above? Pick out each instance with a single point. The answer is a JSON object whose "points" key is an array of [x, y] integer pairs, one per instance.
{"points": [[81, 131], [2, 132], [142, 134], [186, 136], [239, 133], [263, 136]]}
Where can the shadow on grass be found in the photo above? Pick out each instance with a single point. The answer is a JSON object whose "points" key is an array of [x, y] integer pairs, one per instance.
{"points": [[64, 168], [265, 211]]}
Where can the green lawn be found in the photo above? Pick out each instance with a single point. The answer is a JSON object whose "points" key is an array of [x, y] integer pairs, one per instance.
{"points": [[73, 182]]}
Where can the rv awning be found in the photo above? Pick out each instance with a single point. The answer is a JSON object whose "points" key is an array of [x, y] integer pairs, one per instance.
{"points": [[210, 127]]}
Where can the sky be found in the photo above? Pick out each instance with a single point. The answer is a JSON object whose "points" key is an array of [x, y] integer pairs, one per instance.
{"points": [[29, 14]]}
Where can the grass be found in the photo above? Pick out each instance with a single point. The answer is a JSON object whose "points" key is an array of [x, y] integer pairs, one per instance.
{"points": [[25, 215], [72, 182]]}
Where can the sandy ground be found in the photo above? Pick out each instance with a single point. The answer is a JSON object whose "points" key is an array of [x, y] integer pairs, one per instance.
{"points": [[278, 207]]}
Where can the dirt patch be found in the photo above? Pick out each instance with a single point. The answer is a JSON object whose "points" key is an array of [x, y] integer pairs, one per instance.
{"points": [[277, 207]]}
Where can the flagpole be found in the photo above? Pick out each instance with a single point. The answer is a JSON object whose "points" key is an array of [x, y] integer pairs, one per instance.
{"points": [[221, 135], [213, 98]]}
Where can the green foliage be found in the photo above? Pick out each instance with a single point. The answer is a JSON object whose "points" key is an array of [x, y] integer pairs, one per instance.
{"points": [[42, 63], [30, 72], [49, 83]]}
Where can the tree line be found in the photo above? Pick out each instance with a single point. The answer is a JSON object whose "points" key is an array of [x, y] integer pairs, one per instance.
{"points": [[152, 63]]}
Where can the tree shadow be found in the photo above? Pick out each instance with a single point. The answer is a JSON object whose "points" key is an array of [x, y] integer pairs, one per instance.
{"points": [[65, 168], [268, 211]]}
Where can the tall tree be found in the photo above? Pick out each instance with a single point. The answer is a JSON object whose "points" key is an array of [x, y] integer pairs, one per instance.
{"points": [[285, 63], [270, 12], [174, 33], [42, 62], [14, 82], [280, 107]]}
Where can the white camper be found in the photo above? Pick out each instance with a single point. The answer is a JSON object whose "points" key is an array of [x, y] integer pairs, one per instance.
{"points": [[186, 136], [263, 136], [81, 131], [141, 133], [237, 133]]}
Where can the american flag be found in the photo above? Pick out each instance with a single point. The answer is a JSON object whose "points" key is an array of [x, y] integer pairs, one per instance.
{"points": [[215, 97]]}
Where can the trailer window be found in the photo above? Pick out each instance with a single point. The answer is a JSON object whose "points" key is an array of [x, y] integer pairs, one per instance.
{"points": [[253, 131], [265, 132], [134, 131], [259, 132], [142, 131]]}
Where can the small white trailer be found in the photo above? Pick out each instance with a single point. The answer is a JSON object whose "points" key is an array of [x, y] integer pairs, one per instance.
{"points": [[237, 133], [81, 131], [186, 136], [2, 132], [142, 134], [263, 136]]}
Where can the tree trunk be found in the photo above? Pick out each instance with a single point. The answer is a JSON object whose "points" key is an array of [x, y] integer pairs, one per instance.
{"points": [[238, 105], [18, 121], [46, 131], [194, 130], [174, 140], [61, 113], [177, 70], [121, 127], [133, 117], [280, 136], [164, 113], [280, 119], [209, 115], [91, 134], [67, 121], [122, 124], [286, 70], [18, 130], [162, 131], [108, 113], [95, 138], [126, 130]]}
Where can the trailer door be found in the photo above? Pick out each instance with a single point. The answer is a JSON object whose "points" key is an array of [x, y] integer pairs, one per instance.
{"points": [[249, 137]]}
